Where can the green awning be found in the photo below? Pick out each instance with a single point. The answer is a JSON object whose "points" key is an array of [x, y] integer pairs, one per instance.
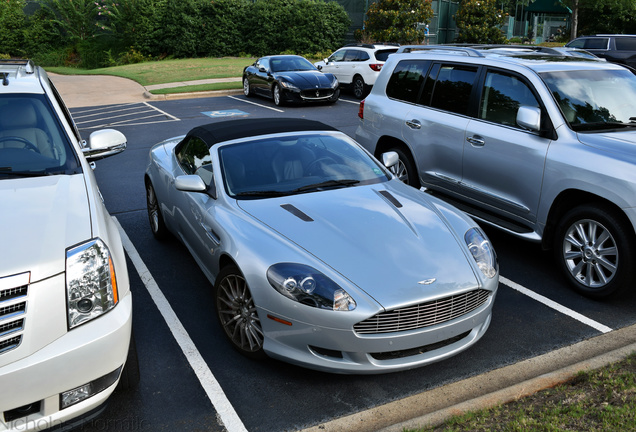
{"points": [[548, 6]]}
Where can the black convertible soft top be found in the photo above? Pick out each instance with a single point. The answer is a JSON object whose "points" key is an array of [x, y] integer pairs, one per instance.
{"points": [[228, 130]]}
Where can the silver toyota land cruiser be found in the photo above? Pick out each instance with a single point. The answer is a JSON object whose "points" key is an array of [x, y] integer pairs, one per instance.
{"points": [[537, 143]]}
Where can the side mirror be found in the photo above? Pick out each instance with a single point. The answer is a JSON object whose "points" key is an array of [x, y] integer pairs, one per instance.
{"points": [[104, 143], [319, 67], [262, 69], [190, 183], [529, 118], [390, 159]]}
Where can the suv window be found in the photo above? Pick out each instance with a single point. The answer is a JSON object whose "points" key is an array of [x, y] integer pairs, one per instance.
{"points": [[596, 43], [31, 139], [625, 44], [382, 55], [337, 56], [406, 80], [502, 96], [451, 87]]}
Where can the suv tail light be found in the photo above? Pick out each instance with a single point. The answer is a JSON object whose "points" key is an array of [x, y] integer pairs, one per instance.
{"points": [[375, 66], [361, 110]]}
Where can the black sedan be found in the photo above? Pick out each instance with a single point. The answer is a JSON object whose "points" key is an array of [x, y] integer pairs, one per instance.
{"points": [[289, 78]]}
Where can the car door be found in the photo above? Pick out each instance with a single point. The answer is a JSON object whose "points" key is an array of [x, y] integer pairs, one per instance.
{"points": [[261, 77], [503, 163], [334, 63], [436, 125], [195, 210], [355, 62]]}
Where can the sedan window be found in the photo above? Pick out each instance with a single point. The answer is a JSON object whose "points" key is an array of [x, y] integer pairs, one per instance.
{"points": [[194, 158], [297, 163]]}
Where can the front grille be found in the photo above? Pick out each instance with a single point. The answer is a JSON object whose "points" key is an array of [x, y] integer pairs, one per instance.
{"points": [[391, 355], [13, 306], [316, 93], [423, 314]]}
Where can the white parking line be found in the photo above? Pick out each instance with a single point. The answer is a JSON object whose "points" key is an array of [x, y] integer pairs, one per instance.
{"points": [[226, 413], [349, 101], [254, 103], [556, 306]]}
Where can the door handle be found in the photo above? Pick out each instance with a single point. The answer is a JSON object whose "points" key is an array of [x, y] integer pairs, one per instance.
{"points": [[414, 124], [476, 141]]}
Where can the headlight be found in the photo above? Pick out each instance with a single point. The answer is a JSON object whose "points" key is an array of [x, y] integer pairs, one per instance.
{"points": [[482, 251], [308, 286], [334, 84], [91, 287], [288, 85]]}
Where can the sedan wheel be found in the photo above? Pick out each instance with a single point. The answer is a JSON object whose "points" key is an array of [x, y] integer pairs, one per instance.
{"points": [[237, 313], [278, 96], [594, 250], [359, 87], [247, 90], [157, 224]]}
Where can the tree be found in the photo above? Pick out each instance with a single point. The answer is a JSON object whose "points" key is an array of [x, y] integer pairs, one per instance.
{"points": [[397, 21], [479, 21]]}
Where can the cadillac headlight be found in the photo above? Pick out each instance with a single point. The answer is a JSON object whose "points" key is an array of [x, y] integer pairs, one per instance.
{"points": [[91, 286], [308, 286], [482, 251]]}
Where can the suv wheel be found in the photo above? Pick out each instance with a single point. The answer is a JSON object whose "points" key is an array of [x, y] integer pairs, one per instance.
{"points": [[405, 168], [593, 248], [359, 87]]}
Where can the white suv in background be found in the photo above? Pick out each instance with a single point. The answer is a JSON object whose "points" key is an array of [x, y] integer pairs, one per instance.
{"points": [[357, 65], [65, 301]]}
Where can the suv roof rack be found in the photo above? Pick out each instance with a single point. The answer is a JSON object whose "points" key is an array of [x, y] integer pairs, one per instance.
{"points": [[468, 51], [29, 67], [374, 45]]}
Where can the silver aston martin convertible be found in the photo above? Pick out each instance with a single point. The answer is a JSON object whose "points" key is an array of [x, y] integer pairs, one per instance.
{"points": [[318, 254]]}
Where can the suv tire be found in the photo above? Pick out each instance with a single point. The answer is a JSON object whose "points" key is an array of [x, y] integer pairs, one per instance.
{"points": [[595, 250], [359, 87], [405, 169]]}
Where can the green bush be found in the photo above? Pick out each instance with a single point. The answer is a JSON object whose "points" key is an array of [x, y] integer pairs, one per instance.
{"points": [[396, 21], [479, 21]]}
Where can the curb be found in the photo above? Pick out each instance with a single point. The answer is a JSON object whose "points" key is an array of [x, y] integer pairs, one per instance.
{"points": [[499, 386], [192, 95]]}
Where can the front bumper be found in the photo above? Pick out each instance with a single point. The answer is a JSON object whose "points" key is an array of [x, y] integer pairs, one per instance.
{"points": [[83, 355], [344, 351]]}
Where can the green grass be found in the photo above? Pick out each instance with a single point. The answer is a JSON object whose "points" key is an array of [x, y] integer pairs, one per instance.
{"points": [[599, 400], [168, 71]]}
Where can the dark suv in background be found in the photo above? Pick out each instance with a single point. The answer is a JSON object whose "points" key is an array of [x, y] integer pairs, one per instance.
{"points": [[614, 48]]}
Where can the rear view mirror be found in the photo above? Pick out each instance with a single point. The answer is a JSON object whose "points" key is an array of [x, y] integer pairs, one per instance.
{"points": [[529, 118], [390, 159]]}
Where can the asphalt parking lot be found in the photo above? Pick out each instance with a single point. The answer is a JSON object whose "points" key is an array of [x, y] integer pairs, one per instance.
{"points": [[193, 380]]}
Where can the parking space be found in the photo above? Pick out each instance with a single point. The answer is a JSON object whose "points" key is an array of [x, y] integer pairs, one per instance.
{"points": [[178, 335]]}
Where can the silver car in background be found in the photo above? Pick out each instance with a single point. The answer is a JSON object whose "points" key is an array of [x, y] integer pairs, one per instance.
{"points": [[317, 254]]}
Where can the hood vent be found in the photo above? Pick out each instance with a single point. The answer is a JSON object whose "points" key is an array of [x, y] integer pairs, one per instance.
{"points": [[390, 198], [296, 212]]}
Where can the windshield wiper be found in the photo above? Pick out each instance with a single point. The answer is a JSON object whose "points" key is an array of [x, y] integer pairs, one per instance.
{"points": [[265, 193], [602, 126], [8, 171], [327, 184]]}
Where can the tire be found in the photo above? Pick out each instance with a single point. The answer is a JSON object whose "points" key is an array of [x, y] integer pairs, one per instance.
{"points": [[247, 89], [359, 87], [336, 95], [237, 314], [278, 95], [405, 169], [595, 251], [130, 376], [155, 218]]}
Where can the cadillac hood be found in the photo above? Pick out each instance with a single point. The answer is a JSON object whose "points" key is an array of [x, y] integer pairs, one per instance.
{"points": [[394, 246], [40, 218]]}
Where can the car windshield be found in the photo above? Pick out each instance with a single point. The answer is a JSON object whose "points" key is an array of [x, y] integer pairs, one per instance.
{"points": [[289, 64], [296, 163], [32, 142], [595, 100]]}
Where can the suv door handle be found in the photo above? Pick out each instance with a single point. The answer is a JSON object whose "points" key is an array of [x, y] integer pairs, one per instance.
{"points": [[476, 141], [414, 124]]}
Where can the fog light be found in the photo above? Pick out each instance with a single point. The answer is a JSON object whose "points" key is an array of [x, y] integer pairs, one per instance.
{"points": [[78, 394]]}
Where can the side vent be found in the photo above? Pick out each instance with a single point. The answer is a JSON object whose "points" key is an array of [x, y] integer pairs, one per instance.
{"points": [[391, 198]]}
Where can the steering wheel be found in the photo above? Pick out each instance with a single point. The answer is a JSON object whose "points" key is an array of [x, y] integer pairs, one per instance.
{"points": [[28, 145], [317, 165]]}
